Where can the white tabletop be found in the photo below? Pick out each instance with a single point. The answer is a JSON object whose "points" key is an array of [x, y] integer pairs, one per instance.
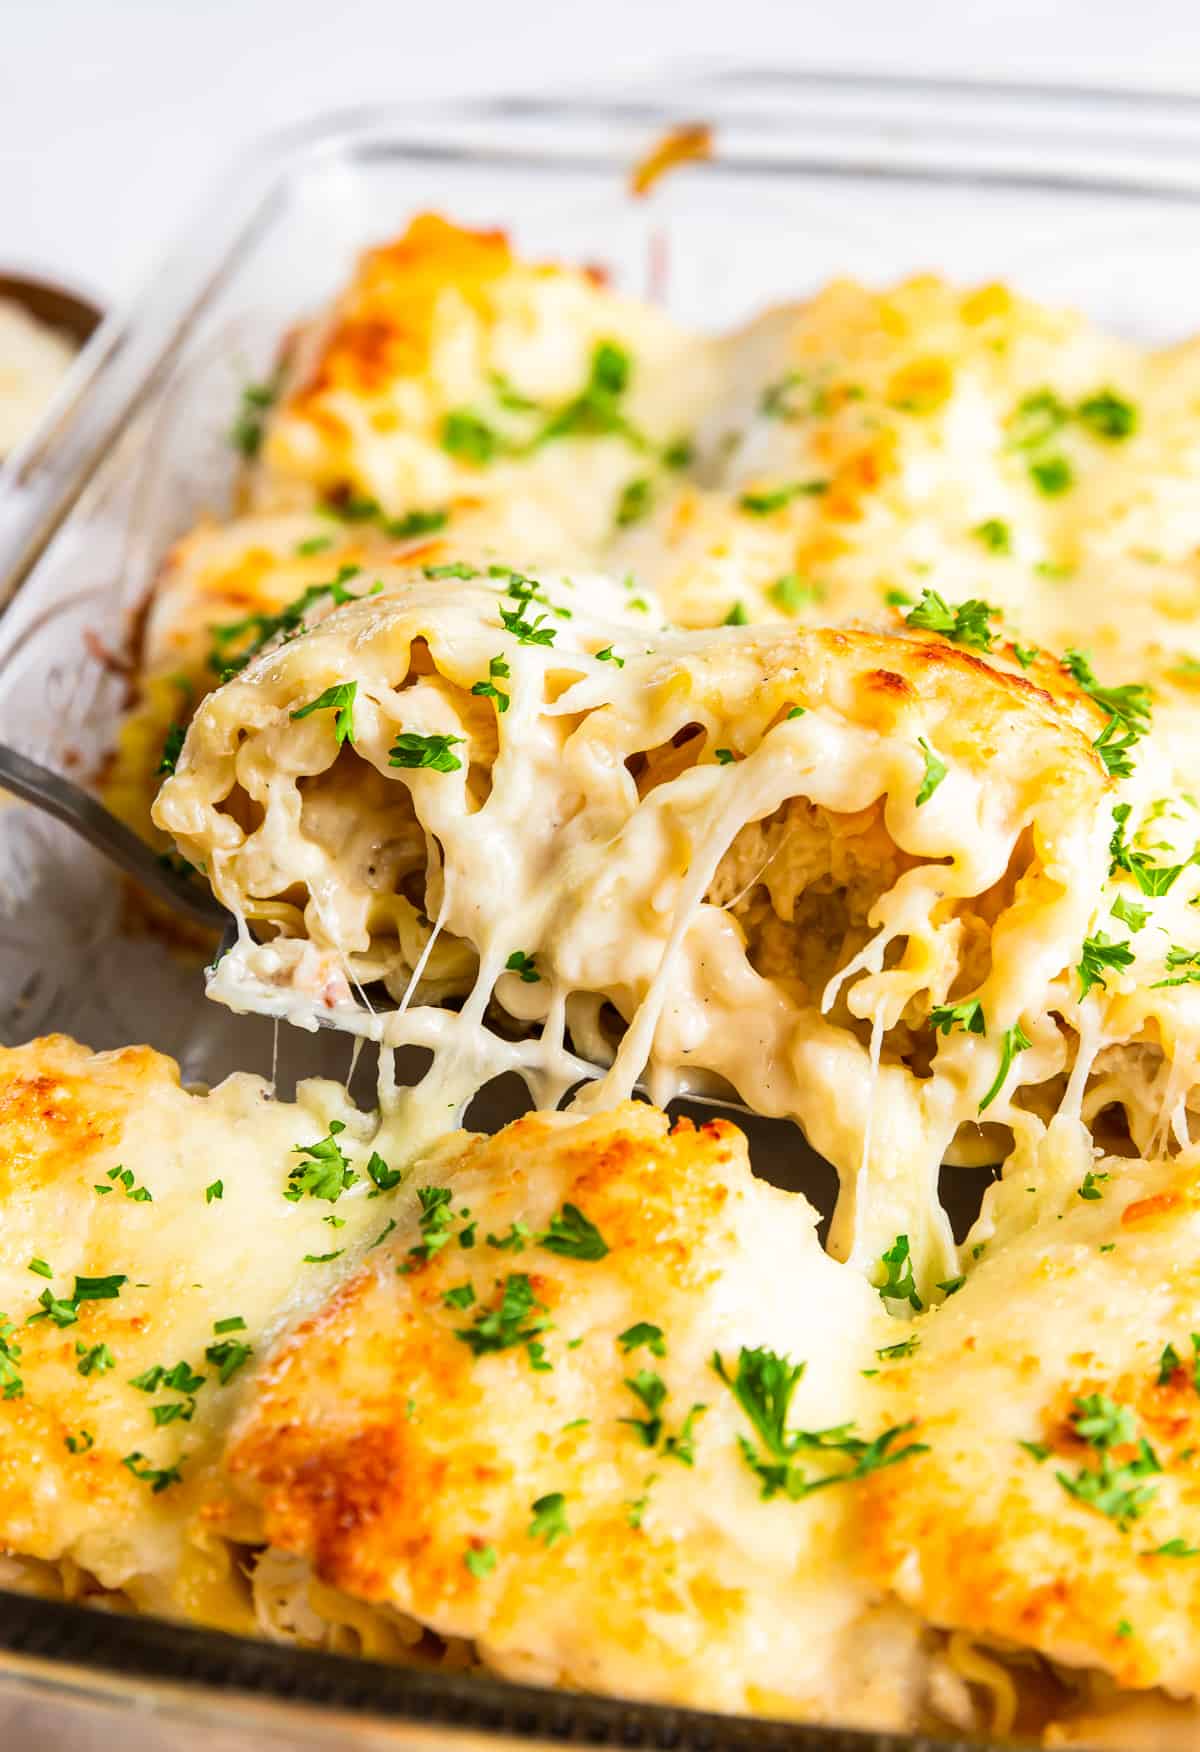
{"points": [[114, 116]]}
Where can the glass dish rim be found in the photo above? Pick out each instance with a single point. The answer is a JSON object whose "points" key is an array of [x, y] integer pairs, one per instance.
{"points": [[75, 1651]]}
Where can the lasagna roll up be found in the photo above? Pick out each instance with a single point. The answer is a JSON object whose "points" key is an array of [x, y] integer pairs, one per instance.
{"points": [[835, 874]]}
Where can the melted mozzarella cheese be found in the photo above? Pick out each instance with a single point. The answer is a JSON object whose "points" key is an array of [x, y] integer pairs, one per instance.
{"points": [[110, 1170], [411, 1470], [982, 1533], [616, 826]]}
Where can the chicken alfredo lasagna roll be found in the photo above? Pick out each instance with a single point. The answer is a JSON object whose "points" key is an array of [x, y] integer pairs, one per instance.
{"points": [[863, 880]]}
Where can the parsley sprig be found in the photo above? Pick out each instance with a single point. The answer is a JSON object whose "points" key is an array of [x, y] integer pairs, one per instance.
{"points": [[324, 1172], [340, 700], [965, 623], [1114, 1489]]}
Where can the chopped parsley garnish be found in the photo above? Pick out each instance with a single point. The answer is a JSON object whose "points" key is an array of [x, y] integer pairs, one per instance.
{"points": [[968, 1016], [935, 771], [905, 1348], [231, 1323], [549, 1518], [573, 1236], [172, 747], [1013, 1041], [951, 1286], [228, 1356], [680, 453], [517, 1319], [289, 621], [79, 1444], [1129, 912], [1052, 475], [1113, 749], [608, 655], [1114, 1490], [651, 1389], [995, 535], [40, 1268], [497, 670], [1039, 1450], [1107, 415], [1039, 417], [596, 412], [453, 569], [1129, 704], [1025, 654], [462, 1296], [99, 1289], [94, 1360], [737, 616], [723, 756], [157, 1477], [381, 1176], [480, 1560], [62, 1311], [1185, 968], [434, 1222], [1101, 955], [897, 598], [123, 1177], [682, 1447], [1154, 880], [1173, 1548], [523, 964], [635, 1507], [322, 1258], [763, 1386], [326, 1173], [413, 751], [316, 544], [470, 438], [643, 1332], [634, 502], [898, 1283], [1168, 1362], [340, 700], [213, 1191], [516, 1240], [415, 523], [246, 433], [12, 1385], [1089, 1187], [763, 504], [526, 632], [790, 593], [966, 623]]}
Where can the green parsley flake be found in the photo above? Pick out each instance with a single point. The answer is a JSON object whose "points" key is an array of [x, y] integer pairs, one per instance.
{"points": [[340, 700], [1052, 476], [40, 1268], [898, 1283], [471, 439], [480, 1560], [523, 964], [453, 569], [1154, 880], [158, 1478], [1101, 955], [246, 433], [995, 535], [966, 623], [1107, 415], [643, 1332], [97, 1360], [497, 670], [172, 748], [1184, 967], [325, 1174], [288, 621], [573, 1236], [1173, 1548], [123, 1177], [79, 1444], [516, 1319], [634, 503], [764, 504], [791, 594], [1114, 1490], [967, 1015], [608, 655], [549, 1518], [213, 1191], [723, 756], [1129, 912], [228, 1356], [381, 1176], [413, 751], [434, 1223], [763, 1386], [526, 632], [12, 1386], [1089, 1188], [1013, 1041], [935, 771]]}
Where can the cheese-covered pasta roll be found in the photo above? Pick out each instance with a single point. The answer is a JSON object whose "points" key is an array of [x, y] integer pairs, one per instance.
{"points": [[1057, 1505], [548, 1414], [151, 1241], [451, 374], [862, 880], [867, 443]]}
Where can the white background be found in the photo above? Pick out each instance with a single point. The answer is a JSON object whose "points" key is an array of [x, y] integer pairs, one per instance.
{"points": [[115, 114]]}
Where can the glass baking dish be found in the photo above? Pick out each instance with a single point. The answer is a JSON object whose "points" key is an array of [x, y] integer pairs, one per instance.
{"points": [[1088, 198]]}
